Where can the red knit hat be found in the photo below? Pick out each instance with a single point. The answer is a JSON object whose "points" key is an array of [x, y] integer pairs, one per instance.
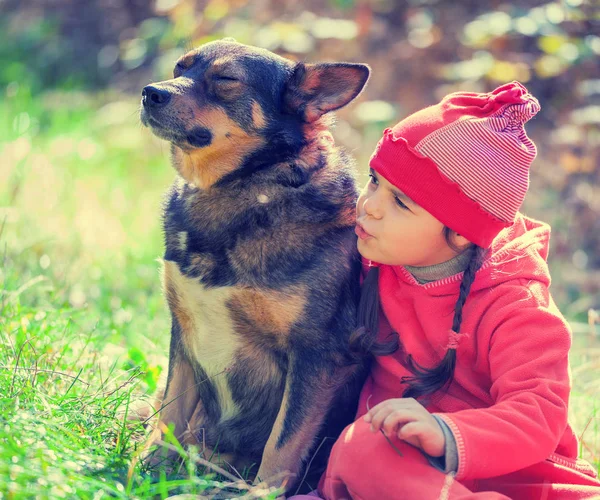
{"points": [[465, 160]]}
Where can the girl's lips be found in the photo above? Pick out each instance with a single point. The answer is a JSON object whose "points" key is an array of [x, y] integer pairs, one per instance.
{"points": [[361, 233]]}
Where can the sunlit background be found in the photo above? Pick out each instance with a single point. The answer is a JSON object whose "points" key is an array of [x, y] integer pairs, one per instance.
{"points": [[81, 181]]}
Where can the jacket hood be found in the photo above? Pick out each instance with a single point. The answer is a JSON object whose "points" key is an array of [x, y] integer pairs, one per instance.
{"points": [[518, 252]]}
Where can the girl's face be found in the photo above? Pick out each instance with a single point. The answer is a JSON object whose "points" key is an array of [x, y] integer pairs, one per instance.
{"points": [[394, 230]]}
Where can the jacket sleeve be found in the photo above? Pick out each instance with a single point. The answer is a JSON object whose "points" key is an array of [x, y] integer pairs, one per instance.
{"points": [[448, 462], [530, 384]]}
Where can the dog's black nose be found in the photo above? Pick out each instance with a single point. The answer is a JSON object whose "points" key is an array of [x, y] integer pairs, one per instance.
{"points": [[153, 97]]}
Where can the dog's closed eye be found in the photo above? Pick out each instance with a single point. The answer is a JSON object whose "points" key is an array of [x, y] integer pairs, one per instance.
{"points": [[225, 78], [180, 67]]}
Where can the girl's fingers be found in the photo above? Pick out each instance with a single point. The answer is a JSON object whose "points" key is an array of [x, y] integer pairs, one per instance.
{"points": [[412, 429], [412, 433], [391, 423], [423, 436], [392, 419], [378, 417], [369, 415], [373, 413], [388, 406]]}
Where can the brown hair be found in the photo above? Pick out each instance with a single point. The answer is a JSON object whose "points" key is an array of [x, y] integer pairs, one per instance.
{"points": [[364, 339], [424, 381]]}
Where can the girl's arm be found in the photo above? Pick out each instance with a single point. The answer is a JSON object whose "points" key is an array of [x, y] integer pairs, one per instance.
{"points": [[529, 368]]}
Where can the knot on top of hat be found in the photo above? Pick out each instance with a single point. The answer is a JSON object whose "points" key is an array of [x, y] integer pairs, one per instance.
{"points": [[515, 105], [517, 115], [510, 93], [454, 339]]}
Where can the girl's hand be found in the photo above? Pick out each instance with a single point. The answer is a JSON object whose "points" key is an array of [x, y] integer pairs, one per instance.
{"points": [[411, 422]]}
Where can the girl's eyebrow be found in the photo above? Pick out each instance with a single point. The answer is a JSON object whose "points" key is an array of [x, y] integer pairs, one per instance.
{"points": [[403, 198]]}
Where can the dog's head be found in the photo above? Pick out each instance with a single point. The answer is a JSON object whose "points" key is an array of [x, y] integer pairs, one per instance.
{"points": [[228, 101]]}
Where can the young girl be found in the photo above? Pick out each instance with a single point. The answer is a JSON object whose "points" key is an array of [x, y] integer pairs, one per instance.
{"points": [[473, 403]]}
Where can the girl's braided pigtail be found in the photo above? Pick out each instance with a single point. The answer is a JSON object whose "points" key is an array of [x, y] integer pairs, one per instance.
{"points": [[426, 381]]}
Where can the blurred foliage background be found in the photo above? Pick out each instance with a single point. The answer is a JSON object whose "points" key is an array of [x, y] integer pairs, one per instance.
{"points": [[81, 181], [81, 65]]}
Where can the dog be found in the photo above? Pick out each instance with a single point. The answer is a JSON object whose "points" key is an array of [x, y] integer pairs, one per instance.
{"points": [[261, 270]]}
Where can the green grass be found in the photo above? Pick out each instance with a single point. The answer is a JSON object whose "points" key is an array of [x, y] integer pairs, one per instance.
{"points": [[83, 325]]}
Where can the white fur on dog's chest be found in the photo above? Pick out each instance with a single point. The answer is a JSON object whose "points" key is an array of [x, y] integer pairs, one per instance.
{"points": [[208, 336]]}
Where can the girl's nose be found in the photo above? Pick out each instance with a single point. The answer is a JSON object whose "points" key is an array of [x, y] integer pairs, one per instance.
{"points": [[372, 207]]}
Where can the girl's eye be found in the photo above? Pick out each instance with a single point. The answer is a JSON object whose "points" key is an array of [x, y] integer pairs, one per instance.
{"points": [[373, 179], [400, 204]]}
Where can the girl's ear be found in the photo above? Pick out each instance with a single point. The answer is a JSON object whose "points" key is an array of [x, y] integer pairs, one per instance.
{"points": [[460, 241], [316, 89]]}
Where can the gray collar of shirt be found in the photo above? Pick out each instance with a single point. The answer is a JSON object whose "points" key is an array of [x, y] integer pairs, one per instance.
{"points": [[427, 274]]}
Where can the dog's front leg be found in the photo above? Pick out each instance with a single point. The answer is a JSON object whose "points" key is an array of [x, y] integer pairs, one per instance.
{"points": [[309, 391], [181, 397]]}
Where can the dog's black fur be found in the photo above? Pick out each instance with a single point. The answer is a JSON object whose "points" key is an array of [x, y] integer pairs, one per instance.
{"points": [[261, 268]]}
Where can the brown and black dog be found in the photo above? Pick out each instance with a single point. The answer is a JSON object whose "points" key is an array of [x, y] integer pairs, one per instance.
{"points": [[261, 271]]}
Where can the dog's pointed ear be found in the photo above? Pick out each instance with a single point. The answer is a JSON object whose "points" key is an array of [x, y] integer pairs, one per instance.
{"points": [[315, 89]]}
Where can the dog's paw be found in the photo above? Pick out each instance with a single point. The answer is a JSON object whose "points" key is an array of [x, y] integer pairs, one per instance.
{"points": [[280, 480]]}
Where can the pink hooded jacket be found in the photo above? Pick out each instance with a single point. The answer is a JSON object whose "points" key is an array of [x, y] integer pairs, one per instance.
{"points": [[507, 403]]}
